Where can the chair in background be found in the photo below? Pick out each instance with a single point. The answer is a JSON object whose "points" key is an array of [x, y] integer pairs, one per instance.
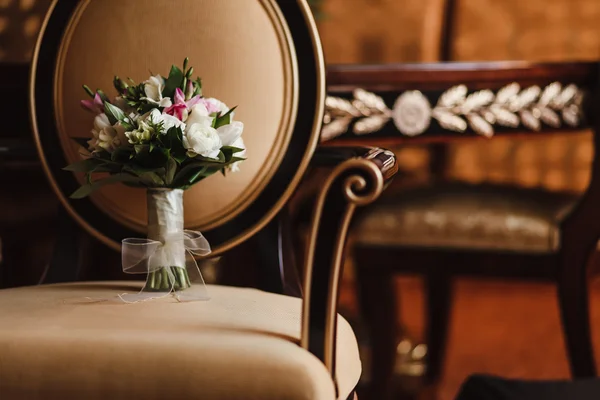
{"points": [[242, 343], [455, 229]]}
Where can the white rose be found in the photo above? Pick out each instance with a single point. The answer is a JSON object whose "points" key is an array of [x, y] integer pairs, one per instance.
{"points": [[167, 120], [230, 133], [153, 88], [199, 115], [202, 139], [239, 143], [105, 136], [215, 105]]}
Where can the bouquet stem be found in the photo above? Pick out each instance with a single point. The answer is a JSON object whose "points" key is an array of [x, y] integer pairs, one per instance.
{"points": [[158, 281]]}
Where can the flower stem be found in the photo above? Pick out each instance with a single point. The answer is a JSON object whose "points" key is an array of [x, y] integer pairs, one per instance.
{"points": [[159, 280]]}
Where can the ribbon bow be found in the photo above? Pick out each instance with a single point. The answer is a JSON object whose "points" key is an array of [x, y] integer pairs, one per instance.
{"points": [[145, 256]]}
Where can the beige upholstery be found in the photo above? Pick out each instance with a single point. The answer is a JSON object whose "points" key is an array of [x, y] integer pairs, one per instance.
{"points": [[466, 217], [241, 344]]}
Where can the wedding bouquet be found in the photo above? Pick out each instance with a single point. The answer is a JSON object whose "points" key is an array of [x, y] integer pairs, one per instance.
{"points": [[162, 135]]}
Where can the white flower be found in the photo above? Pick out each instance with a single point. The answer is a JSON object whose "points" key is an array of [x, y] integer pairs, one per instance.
{"points": [[202, 139], [239, 143], [170, 121], [230, 133], [153, 88], [105, 136], [142, 134], [199, 115], [167, 120], [216, 105]]}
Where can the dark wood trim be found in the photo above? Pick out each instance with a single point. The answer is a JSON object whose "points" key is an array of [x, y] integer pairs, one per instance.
{"points": [[449, 15], [441, 76]]}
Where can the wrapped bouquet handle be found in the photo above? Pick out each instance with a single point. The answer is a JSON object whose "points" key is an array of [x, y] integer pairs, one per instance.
{"points": [[136, 258], [167, 255]]}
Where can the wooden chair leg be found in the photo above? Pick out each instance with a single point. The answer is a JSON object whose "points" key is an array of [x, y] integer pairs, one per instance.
{"points": [[574, 309], [378, 303], [438, 309]]}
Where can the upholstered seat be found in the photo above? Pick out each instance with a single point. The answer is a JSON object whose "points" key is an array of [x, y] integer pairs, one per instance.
{"points": [[56, 341], [460, 216]]}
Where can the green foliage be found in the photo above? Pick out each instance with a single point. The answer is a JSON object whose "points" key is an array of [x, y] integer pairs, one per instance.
{"points": [[174, 81], [89, 91], [114, 113], [120, 85], [88, 188], [133, 97], [224, 119], [197, 87]]}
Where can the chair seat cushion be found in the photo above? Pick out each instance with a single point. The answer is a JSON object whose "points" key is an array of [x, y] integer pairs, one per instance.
{"points": [[56, 341], [459, 216]]}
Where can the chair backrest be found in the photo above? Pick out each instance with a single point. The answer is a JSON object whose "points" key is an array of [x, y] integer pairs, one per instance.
{"points": [[262, 55]]}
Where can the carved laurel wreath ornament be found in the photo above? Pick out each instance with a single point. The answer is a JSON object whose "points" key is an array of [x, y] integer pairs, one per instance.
{"points": [[456, 110]]}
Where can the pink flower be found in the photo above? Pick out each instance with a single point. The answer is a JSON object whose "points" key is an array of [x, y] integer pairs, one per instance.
{"points": [[96, 105], [210, 106], [215, 106], [180, 107]]}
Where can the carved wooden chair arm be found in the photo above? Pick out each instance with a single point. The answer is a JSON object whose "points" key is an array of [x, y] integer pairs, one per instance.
{"points": [[332, 156], [357, 177]]}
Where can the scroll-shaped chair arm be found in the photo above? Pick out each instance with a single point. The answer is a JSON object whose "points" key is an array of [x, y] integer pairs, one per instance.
{"points": [[333, 156], [357, 177]]}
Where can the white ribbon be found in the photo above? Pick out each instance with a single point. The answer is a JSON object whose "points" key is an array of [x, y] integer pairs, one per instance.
{"points": [[144, 256]]}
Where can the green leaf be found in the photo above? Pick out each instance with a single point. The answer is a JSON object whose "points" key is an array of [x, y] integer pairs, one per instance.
{"points": [[152, 179], [155, 158], [114, 113], [86, 165], [85, 190], [208, 171], [102, 95], [235, 159], [122, 155], [211, 161], [229, 151], [171, 169], [89, 91], [103, 155], [224, 119], [186, 173], [198, 87], [173, 82], [128, 124], [173, 139]]}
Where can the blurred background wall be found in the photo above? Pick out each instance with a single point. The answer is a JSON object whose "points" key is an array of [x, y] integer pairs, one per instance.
{"points": [[397, 31]]}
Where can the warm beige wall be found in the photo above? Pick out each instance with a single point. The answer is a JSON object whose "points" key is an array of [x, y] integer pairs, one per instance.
{"points": [[355, 31]]}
